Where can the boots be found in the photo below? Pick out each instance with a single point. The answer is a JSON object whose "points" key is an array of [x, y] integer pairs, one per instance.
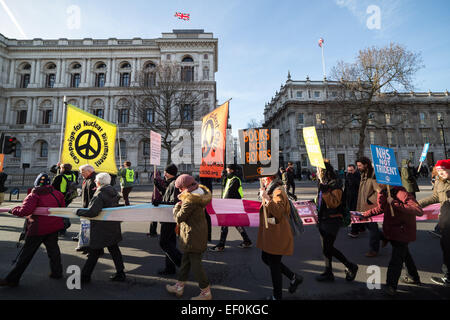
{"points": [[177, 288], [205, 294]]}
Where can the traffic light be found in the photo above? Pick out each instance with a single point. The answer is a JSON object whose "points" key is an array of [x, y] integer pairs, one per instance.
{"points": [[9, 145]]}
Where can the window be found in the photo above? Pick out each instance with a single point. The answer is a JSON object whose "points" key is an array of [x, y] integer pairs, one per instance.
{"points": [[43, 153], [48, 116], [187, 113], [76, 66], [150, 75], [372, 137], [125, 65], [371, 118], [21, 116], [100, 80], [387, 116], [205, 73], [50, 82], [187, 59], [168, 57], [99, 113], [123, 115], [301, 119], [304, 158], [187, 74], [101, 65], [334, 94], [318, 119], [18, 151], [408, 137], [422, 118], [316, 94], [205, 94], [75, 80], [356, 138], [205, 56], [150, 115], [125, 79], [389, 137], [25, 81], [426, 137], [299, 94], [123, 149], [146, 148]]}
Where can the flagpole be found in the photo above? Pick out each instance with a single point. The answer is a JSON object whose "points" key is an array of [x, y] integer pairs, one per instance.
{"points": [[62, 128], [323, 63], [118, 139]]}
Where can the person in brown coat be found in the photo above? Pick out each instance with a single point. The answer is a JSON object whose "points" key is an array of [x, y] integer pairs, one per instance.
{"points": [[190, 217], [277, 240]]}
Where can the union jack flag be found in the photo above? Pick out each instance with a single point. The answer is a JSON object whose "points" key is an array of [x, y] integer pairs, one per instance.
{"points": [[182, 16], [321, 42]]}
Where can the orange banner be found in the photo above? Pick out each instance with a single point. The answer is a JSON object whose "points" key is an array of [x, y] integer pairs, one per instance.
{"points": [[214, 128], [2, 158]]}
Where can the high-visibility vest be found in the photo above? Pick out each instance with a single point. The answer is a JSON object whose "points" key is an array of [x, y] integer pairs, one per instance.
{"points": [[63, 185], [228, 185], [129, 175]]}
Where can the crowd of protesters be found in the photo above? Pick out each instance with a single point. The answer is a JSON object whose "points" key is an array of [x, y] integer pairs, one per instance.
{"points": [[335, 199]]}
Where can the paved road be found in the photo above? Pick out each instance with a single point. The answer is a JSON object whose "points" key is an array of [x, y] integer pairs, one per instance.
{"points": [[236, 274]]}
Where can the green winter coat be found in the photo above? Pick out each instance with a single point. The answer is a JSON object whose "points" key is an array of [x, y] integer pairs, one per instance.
{"points": [[190, 215], [408, 177]]}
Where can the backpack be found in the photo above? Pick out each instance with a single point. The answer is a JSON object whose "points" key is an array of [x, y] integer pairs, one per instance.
{"points": [[295, 221], [71, 190]]}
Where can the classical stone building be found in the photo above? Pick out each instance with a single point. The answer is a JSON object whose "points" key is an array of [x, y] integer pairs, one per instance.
{"points": [[93, 74], [405, 124]]}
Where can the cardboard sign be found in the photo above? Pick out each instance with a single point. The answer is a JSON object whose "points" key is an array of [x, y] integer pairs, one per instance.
{"points": [[2, 159], [424, 152], [258, 152], [385, 164], [155, 148], [313, 147]]}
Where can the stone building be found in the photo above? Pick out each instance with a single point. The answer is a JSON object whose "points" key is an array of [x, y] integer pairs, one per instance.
{"points": [[405, 124], [93, 74]]}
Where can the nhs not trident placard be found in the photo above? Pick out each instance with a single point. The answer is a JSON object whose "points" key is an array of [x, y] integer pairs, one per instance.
{"points": [[385, 165]]}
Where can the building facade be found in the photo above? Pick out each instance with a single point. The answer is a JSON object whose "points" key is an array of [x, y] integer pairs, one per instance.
{"points": [[93, 74], [405, 124]]}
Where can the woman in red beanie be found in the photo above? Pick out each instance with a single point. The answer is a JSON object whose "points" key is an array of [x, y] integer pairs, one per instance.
{"points": [[441, 194]]}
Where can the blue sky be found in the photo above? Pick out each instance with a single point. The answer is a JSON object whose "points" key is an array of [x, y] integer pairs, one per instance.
{"points": [[259, 40]]}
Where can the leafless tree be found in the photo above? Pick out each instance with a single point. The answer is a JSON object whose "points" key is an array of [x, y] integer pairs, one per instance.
{"points": [[369, 87], [164, 100], [253, 124]]}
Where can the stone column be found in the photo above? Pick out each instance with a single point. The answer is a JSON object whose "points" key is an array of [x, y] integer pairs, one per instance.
{"points": [[34, 112], [89, 73], [8, 115], [12, 73], [113, 74], [36, 75], [109, 72], [29, 111]]}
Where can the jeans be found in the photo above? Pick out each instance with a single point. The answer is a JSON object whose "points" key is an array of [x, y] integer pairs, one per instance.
{"points": [[328, 233], [193, 261], [277, 269], [168, 243], [400, 255], [125, 194], [32, 244], [93, 256], [375, 236], [224, 234]]}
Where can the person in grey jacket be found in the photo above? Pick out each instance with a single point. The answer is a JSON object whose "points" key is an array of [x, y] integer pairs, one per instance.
{"points": [[103, 233]]}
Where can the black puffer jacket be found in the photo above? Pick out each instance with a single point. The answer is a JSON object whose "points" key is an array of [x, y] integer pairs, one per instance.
{"points": [[169, 191], [103, 233]]}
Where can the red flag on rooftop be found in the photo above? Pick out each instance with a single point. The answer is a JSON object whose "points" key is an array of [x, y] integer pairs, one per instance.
{"points": [[182, 16]]}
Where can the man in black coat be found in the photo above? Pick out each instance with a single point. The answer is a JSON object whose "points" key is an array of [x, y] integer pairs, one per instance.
{"points": [[168, 237], [3, 177], [352, 181], [103, 233]]}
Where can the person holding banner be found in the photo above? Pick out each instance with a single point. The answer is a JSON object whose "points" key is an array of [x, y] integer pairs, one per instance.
{"points": [[367, 199], [409, 181], [275, 237], [441, 194], [232, 190], [39, 230], [330, 212], [190, 216], [103, 233], [399, 229], [126, 175], [168, 237]]}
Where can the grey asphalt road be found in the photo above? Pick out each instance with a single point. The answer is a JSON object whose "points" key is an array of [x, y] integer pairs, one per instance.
{"points": [[235, 274]]}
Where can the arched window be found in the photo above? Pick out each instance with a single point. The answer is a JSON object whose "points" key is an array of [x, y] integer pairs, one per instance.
{"points": [[25, 75], [125, 74], [150, 75], [187, 69], [205, 73], [123, 149], [100, 74], [18, 151], [50, 75], [43, 150], [187, 59], [75, 75]]}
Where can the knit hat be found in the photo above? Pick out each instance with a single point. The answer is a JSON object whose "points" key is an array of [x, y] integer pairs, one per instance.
{"points": [[232, 167], [42, 180], [186, 181], [443, 164], [171, 169]]}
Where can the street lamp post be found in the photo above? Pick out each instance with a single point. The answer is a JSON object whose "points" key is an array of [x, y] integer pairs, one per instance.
{"points": [[441, 122], [323, 136]]}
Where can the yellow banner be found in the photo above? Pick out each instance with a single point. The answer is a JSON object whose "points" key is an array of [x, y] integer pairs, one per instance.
{"points": [[89, 140], [313, 147]]}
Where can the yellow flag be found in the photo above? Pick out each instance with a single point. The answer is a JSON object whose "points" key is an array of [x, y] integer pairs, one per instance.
{"points": [[89, 140], [313, 147]]}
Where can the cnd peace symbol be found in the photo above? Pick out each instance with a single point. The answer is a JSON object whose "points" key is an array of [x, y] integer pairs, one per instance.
{"points": [[88, 145]]}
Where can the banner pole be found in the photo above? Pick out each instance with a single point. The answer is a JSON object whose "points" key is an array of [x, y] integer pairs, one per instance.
{"points": [[118, 140], [264, 207], [62, 128], [389, 194], [420, 165]]}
